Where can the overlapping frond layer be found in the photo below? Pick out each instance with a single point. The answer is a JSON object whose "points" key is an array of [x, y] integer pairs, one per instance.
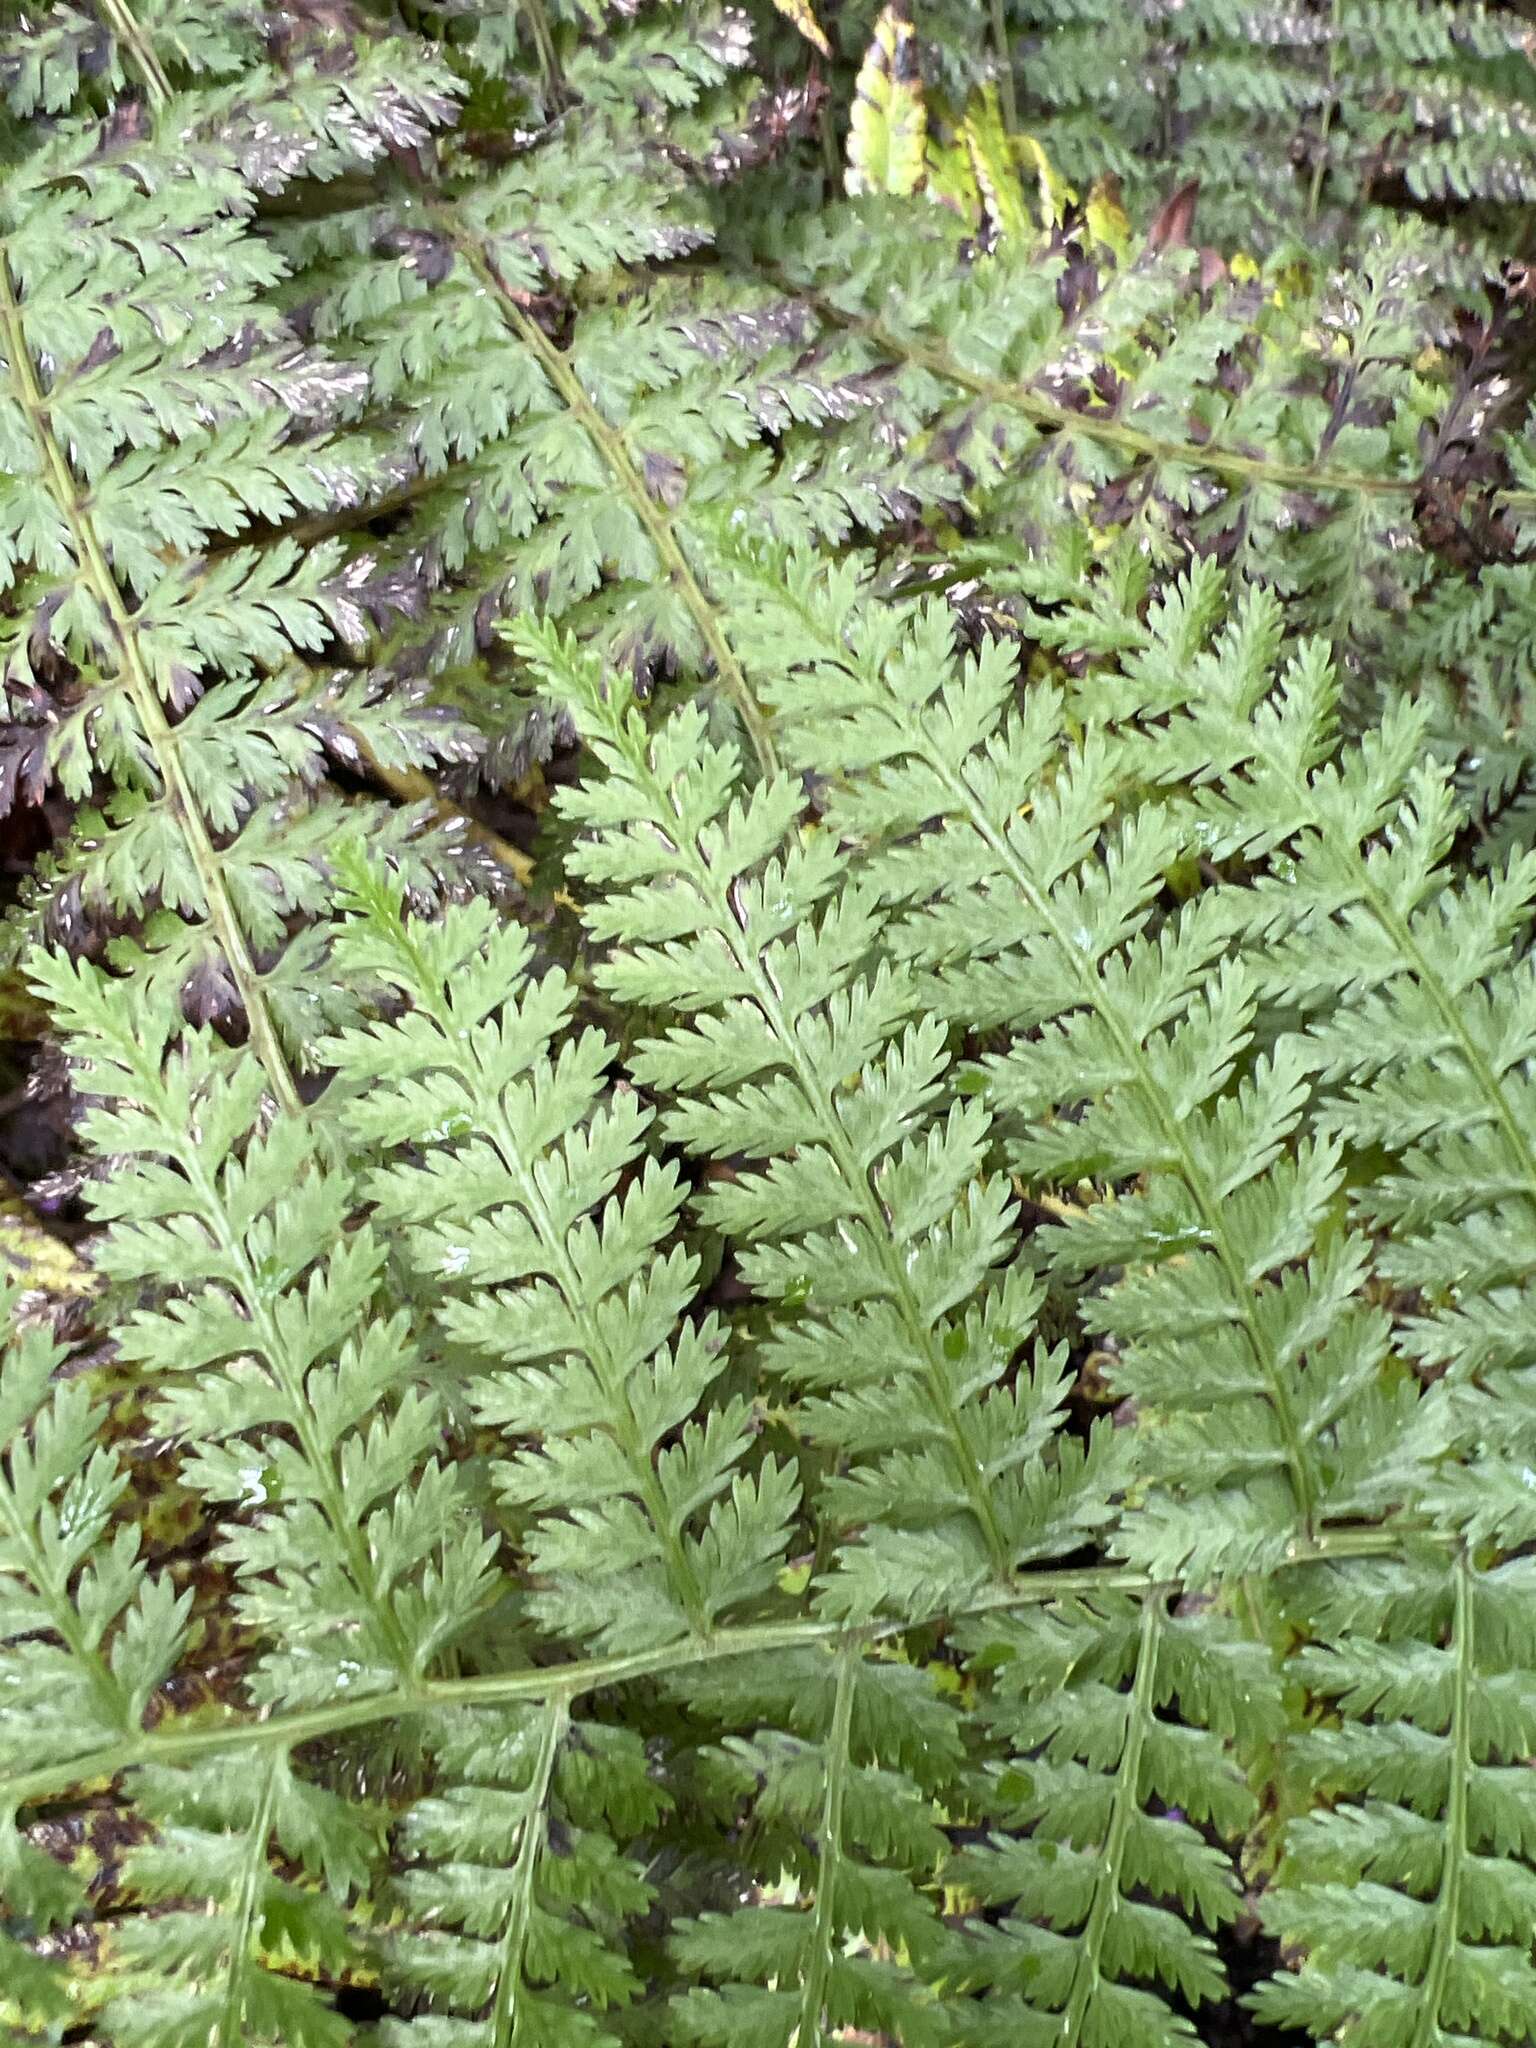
{"points": [[899, 1406], [156, 412], [549, 1227], [852, 1201], [1406, 1879], [1410, 980], [1271, 420], [543, 438], [1116, 1798], [1290, 117], [519, 1904], [1033, 880], [313, 1448]]}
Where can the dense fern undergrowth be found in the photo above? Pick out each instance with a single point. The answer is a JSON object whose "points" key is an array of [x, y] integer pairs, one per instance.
{"points": [[768, 818]]}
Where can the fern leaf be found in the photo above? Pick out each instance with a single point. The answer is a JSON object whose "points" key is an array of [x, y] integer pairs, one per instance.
{"points": [[585, 454], [86, 1633], [871, 1220], [888, 126], [1402, 1886], [1102, 1802], [211, 1964], [300, 1404], [516, 1888], [1139, 1028], [556, 1223], [838, 1935], [1392, 967], [151, 415]]}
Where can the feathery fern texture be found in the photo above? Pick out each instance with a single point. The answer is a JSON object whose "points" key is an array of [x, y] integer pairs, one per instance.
{"points": [[519, 1902], [841, 1929], [1413, 987], [1272, 419], [871, 1219], [315, 1455], [1289, 117], [537, 467], [644, 1521], [1408, 1887], [87, 1637], [899, 1406], [227, 1942], [297, 1398], [1045, 917], [156, 408], [1125, 1728]]}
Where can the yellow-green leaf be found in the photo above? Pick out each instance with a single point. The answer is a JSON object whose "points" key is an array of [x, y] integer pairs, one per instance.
{"points": [[993, 167], [950, 178], [1108, 224], [1055, 193], [888, 129], [802, 15], [34, 1260]]}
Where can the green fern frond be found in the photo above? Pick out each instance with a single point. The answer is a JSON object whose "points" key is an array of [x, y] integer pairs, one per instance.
{"points": [[645, 1520], [866, 1216], [1406, 1886], [224, 1955], [310, 1431], [899, 1404], [840, 1932], [1119, 1723], [87, 1635], [1033, 888], [157, 405], [1362, 931], [72, 1573], [578, 452], [520, 1896]]}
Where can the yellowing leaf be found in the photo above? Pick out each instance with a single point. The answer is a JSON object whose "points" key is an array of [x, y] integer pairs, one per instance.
{"points": [[801, 14], [950, 178], [996, 173], [1055, 193], [1109, 225], [888, 128], [36, 1261]]}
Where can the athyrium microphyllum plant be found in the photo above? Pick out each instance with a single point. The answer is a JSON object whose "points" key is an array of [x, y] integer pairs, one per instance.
{"points": [[768, 901]]}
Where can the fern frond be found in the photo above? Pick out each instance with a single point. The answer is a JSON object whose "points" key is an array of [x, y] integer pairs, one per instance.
{"points": [[1410, 991], [1406, 1886], [72, 1573], [577, 450], [223, 1955], [153, 400], [1034, 890], [520, 1896], [537, 1195], [310, 1431], [871, 1221], [1104, 1805], [840, 1931], [974, 1443], [87, 1634], [1293, 119]]}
